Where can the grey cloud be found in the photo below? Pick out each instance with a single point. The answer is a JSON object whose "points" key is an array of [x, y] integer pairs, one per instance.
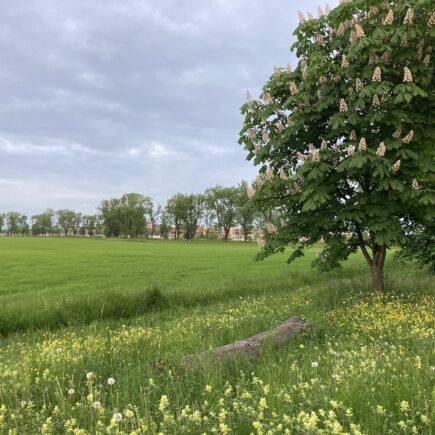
{"points": [[101, 97]]}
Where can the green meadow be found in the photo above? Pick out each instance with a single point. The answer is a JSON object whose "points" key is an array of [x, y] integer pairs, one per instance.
{"points": [[93, 331]]}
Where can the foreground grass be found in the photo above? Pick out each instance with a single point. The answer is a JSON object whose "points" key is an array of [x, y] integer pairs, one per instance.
{"points": [[368, 368]]}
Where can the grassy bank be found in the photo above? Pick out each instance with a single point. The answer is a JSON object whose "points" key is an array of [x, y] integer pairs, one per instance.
{"points": [[368, 367]]}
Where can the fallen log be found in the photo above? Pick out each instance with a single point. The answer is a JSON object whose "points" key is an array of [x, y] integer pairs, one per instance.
{"points": [[250, 347]]}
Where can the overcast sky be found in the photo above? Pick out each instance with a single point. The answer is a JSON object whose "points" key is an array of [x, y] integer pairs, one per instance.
{"points": [[103, 97]]}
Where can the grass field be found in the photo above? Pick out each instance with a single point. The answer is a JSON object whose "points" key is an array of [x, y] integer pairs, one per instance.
{"points": [[76, 313]]}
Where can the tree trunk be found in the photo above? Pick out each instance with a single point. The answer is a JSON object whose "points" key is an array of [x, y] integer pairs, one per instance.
{"points": [[250, 347], [377, 266], [226, 234]]}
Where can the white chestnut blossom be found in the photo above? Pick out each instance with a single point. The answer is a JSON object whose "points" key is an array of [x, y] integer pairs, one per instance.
{"points": [[408, 138], [381, 150], [407, 75]]}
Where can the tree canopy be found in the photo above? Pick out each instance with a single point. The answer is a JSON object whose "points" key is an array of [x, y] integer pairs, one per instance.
{"points": [[345, 140]]}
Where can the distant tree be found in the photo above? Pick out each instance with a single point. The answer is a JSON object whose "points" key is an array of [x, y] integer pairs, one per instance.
{"points": [[345, 141], [66, 220], [111, 217], [43, 223], [153, 215], [208, 217], [126, 215], [247, 211], [192, 206], [174, 211], [225, 203], [164, 226], [23, 225], [88, 225], [2, 222], [12, 223]]}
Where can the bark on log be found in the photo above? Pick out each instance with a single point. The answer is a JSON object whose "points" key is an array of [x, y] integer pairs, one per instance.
{"points": [[250, 347]]}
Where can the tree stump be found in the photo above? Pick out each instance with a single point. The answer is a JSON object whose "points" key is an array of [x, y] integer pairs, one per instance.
{"points": [[250, 347]]}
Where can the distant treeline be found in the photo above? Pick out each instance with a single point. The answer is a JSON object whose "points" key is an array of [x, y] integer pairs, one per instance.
{"points": [[217, 210]]}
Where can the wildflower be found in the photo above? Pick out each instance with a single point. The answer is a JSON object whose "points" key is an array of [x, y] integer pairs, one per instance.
{"points": [[407, 75], [96, 404], [224, 428], [282, 175], [334, 403], [424, 419], [248, 97], [164, 402], [250, 191], [418, 362], [409, 16], [349, 412], [271, 228], [408, 138], [344, 62], [415, 185], [377, 76], [404, 406], [89, 375], [129, 413], [359, 32], [380, 410], [343, 106], [396, 166], [71, 391], [208, 388], [314, 364], [376, 102], [359, 85], [263, 403], [111, 381], [294, 88], [388, 21], [59, 350], [117, 417], [362, 145]]}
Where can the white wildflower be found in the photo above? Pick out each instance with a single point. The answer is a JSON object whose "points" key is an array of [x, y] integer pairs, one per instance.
{"points": [[111, 381]]}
